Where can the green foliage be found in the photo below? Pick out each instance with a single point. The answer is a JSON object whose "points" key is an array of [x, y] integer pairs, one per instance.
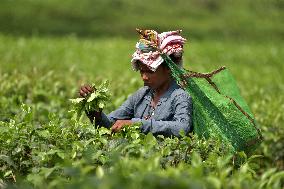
{"points": [[45, 146], [78, 154], [96, 101], [259, 20]]}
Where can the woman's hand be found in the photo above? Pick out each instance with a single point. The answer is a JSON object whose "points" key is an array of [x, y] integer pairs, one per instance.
{"points": [[119, 124], [85, 90]]}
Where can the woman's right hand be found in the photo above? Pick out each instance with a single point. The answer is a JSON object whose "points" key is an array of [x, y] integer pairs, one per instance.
{"points": [[85, 90]]}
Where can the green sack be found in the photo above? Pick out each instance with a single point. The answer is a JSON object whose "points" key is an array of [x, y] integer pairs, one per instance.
{"points": [[218, 108]]}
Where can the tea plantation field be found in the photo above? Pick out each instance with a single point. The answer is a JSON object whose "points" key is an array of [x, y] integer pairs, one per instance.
{"points": [[43, 145]]}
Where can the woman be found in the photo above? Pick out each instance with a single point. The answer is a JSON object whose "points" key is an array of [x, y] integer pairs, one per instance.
{"points": [[161, 105]]}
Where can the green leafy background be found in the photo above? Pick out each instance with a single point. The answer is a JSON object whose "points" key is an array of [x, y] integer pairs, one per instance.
{"points": [[49, 48]]}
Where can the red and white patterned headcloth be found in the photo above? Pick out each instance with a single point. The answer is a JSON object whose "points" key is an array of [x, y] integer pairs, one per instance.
{"points": [[151, 45]]}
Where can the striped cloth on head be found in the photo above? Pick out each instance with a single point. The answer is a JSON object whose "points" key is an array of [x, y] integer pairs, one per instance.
{"points": [[151, 45]]}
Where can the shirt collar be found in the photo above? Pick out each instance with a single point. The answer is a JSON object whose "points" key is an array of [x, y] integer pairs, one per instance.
{"points": [[168, 93], [165, 96]]}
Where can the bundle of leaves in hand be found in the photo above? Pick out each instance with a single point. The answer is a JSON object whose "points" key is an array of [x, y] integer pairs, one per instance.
{"points": [[95, 101]]}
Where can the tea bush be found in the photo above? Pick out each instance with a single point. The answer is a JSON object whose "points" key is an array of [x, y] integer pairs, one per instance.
{"points": [[43, 145]]}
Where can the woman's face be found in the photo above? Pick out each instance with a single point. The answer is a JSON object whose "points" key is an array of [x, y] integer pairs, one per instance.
{"points": [[154, 79]]}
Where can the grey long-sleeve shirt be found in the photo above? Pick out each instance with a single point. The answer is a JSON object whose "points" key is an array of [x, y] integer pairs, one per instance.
{"points": [[172, 114]]}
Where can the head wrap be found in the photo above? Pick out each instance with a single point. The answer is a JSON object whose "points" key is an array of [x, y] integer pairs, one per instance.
{"points": [[151, 45]]}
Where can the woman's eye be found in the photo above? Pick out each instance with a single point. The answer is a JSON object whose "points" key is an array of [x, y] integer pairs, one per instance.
{"points": [[148, 71]]}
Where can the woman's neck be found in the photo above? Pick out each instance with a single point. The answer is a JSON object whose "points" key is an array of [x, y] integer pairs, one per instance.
{"points": [[160, 91]]}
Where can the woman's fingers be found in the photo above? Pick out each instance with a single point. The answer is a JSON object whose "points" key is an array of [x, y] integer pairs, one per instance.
{"points": [[89, 88], [115, 127], [119, 124], [81, 93], [85, 90]]}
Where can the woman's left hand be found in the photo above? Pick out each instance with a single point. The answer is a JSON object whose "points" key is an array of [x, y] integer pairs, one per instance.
{"points": [[119, 124]]}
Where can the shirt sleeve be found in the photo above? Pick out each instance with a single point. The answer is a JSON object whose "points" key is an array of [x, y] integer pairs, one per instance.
{"points": [[124, 112], [182, 119]]}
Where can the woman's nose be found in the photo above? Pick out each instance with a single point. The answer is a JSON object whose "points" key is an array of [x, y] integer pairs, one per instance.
{"points": [[144, 76]]}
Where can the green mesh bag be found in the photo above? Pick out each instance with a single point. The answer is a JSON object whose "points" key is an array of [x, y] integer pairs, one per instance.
{"points": [[218, 108]]}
